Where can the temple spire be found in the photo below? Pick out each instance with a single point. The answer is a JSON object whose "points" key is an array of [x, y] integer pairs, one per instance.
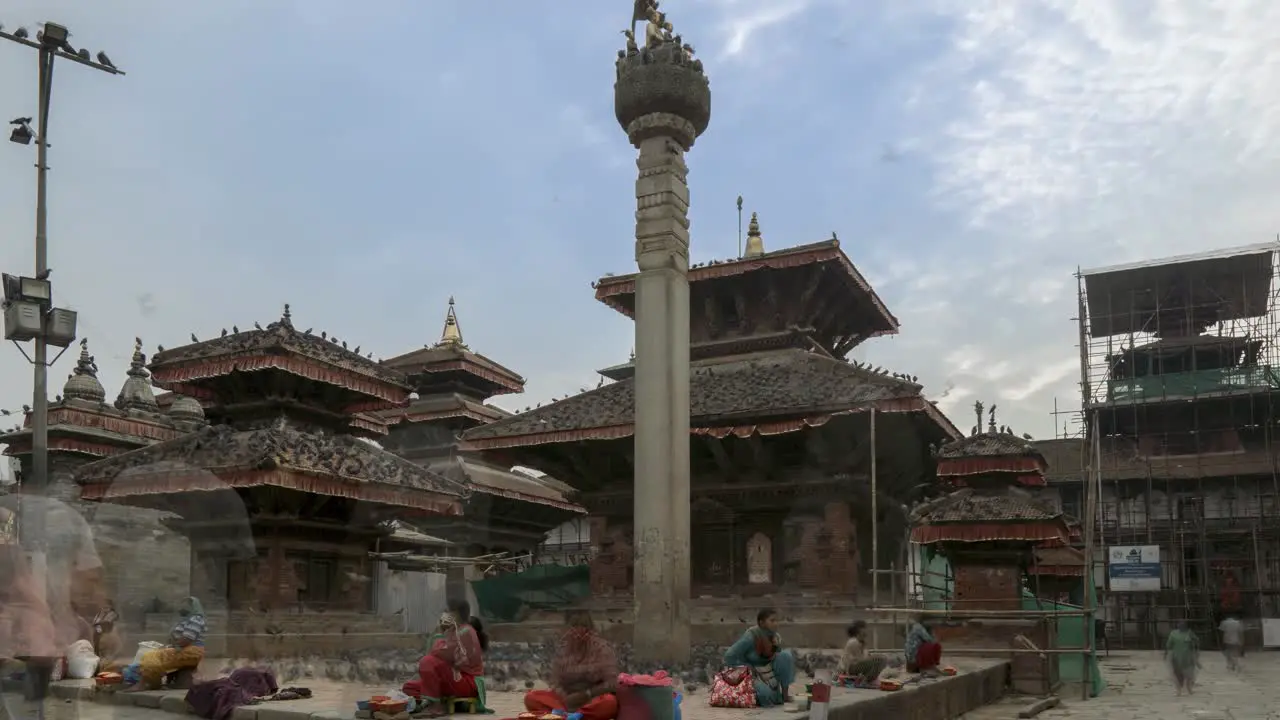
{"points": [[83, 383], [136, 393], [452, 334], [755, 243]]}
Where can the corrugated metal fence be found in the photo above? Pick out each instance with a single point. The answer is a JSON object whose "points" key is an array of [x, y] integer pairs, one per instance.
{"points": [[417, 597]]}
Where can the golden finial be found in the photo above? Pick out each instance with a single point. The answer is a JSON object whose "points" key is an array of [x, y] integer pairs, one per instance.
{"points": [[755, 243], [452, 334]]}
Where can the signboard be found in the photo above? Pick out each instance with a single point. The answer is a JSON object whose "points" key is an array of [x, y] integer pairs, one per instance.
{"points": [[1133, 568], [1270, 632]]}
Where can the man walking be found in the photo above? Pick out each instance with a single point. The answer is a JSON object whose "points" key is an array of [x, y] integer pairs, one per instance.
{"points": [[1232, 641]]}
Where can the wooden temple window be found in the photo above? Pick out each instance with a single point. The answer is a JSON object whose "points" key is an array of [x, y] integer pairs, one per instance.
{"points": [[759, 559], [317, 578], [730, 317]]}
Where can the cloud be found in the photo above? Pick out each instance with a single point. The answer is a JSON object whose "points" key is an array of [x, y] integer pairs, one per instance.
{"points": [[744, 19], [1077, 133]]}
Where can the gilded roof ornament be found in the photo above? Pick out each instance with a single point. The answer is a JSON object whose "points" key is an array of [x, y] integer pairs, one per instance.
{"points": [[452, 334], [755, 243]]}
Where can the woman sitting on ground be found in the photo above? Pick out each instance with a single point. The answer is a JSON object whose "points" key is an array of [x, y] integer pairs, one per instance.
{"points": [[760, 648], [924, 654], [184, 651], [584, 674], [456, 659], [856, 663]]}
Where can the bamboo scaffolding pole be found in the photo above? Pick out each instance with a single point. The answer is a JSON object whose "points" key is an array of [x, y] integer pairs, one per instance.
{"points": [[875, 531], [997, 614], [994, 651]]}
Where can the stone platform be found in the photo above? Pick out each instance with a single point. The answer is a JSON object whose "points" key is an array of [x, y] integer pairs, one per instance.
{"points": [[289, 634], [980, 682], [810, 622]]}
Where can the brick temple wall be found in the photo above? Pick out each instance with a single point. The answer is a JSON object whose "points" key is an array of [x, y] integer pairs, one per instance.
{"points": [[828, 552], [814, 553], [987, 586]]}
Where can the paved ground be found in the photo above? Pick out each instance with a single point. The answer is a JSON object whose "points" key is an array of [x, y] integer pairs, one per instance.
{"points": [[1139, 688]]}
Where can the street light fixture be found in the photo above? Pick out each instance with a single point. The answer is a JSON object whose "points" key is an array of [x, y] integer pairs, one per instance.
{"points": [[54, 36], [22, 132]]}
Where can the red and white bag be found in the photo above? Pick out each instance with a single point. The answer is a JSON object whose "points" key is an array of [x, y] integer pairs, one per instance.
{"points": [[733, 688]]}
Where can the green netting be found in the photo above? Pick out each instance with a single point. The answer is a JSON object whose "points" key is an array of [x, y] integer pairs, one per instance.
{"points": [[1188, 384], [1071, 633], [541, 587]]}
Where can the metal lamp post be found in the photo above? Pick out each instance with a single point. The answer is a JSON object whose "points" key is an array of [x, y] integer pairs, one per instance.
{"points": [[29, 313]]}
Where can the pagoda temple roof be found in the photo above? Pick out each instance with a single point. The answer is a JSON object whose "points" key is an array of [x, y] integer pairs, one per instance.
{"points": [[501, 482], [278, 455], [989, 444], [618, 291], [1058, 561], [81, 421], [1012, 515], [278, 346], [451, 355], [443, 406], [772, 392], [995, 455]]}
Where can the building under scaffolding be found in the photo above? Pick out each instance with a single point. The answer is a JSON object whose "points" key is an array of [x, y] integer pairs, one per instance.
{"points": [[1180, 370]]}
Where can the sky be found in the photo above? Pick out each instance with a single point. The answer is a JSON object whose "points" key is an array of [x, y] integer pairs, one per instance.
{"points": [[366, 161]]}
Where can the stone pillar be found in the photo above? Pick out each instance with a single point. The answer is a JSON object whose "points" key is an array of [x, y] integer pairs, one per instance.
{"points": [[663, 102], [662, 403]]}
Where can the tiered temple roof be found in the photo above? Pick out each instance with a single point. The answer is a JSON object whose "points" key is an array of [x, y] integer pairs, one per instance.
{"points": [[452, 384], [283, 401], [993, 469], [767, 393], [82, 423], [769, 334]]}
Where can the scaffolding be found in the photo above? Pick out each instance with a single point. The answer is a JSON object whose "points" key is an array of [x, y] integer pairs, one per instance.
{"points": [[1180, 378], [923, 586]]}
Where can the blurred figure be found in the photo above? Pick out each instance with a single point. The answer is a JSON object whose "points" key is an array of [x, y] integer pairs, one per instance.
{"points": [[1182, 652], [73, 583], [26, 625], [584, 674], [1232, 641]]}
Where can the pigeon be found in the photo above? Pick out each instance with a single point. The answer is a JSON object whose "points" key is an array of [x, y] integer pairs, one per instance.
{"points": [[257, 325], [194, 338], [235, 329], [224, 332], [104, 60]]}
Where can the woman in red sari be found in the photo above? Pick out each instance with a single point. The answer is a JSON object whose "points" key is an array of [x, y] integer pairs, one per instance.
{"points": [[456, 659], [584, 674]]}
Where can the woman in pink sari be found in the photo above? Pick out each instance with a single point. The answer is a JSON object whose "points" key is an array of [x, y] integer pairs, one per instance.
{"points": [[456, 659]]}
